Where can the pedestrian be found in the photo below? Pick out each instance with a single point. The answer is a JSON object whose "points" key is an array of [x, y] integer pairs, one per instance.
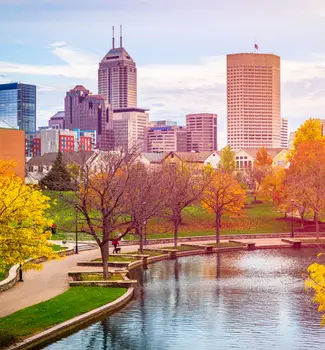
{"points": [[53, 228], [115, 243]]}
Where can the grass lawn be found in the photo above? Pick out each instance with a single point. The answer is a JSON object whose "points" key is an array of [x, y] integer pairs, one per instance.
{"points": [[3, 275], [117, 258], [99, 277], [256, 218], [73, 302]]}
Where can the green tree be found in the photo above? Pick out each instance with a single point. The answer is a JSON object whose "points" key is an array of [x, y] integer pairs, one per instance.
{"points": [[227, 160], [58, 178]]}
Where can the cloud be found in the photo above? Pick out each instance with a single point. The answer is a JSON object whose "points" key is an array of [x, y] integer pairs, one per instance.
{"points": [[171, 91], [76, 64]]}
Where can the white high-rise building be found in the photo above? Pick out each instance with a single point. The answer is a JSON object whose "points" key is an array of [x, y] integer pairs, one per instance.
{"points": [[284, 133], [129, 126], [117, 77]]}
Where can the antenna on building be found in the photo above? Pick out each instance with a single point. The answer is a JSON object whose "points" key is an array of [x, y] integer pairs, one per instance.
{"points": [[113, 39], [121, 35]]}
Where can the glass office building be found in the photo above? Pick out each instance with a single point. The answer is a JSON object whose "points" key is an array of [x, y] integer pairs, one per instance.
{"points": [[18, 106]]}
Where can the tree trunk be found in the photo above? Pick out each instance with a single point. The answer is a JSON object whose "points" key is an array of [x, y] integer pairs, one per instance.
{"points": [[176, 223], [138, 231], [217, 229], [105, 256], [317, 225]]}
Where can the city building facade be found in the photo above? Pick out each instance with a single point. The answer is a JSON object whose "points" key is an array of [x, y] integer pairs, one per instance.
{"points": [[166, 139], [201, 132], [284, 133], [129, 126], [85, 111], [117, 78], [54, 140], [253, 100], [12, 147], [57, 121], [18, 106]]}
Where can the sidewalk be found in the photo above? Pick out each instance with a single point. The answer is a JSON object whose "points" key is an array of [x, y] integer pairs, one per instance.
{"points": [[53, 279]]}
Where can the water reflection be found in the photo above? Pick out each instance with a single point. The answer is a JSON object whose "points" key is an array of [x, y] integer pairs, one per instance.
{"points": [[236, 300]]}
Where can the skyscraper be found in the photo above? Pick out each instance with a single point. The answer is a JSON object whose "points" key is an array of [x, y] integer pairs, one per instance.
{"points": [[18, 106], [85, 111], [201, 132], [117, 77], [253, 100]]}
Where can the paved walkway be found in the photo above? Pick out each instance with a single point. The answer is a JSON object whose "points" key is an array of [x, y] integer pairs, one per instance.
{"points": [[53, 279]]}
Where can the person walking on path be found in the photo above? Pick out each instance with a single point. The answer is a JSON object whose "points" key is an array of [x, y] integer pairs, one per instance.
{"points": [[115, 243]]}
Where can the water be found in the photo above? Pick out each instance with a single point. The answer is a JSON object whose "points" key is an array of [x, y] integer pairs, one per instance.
{"points": [[240, 300]]}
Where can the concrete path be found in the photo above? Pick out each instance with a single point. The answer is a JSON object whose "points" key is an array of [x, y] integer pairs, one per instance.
{"points": [[53, 279]]}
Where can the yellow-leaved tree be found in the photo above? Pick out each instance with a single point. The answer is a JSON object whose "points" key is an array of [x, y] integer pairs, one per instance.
{"points": [[223, 195], [23, 223], [310, 130], [316, 282]]}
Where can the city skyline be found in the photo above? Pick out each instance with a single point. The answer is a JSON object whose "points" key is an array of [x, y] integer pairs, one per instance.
{"points": [[181, 67]]}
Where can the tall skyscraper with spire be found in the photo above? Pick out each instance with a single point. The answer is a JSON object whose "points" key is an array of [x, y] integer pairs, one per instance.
{"points": [[117, 77]]}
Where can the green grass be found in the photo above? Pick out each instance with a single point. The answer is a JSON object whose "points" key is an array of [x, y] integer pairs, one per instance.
{"points": [[314, 240], [117, 258], [73, 302], [196, 221], [99, 277], [3, 275]]}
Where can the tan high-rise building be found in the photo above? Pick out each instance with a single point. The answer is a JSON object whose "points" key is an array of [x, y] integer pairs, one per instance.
{"points": [[253, 101], [117, 78], [129, 126], [201, 132], [166, 139]]}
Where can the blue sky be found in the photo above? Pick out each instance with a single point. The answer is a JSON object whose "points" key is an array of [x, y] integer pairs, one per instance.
{"points": [[179, 47]]}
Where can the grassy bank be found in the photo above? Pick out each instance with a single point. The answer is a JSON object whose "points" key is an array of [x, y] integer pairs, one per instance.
{"points": [[196, 221], [75, 301]]}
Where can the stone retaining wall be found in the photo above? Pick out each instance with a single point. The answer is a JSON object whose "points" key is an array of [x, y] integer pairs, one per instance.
{"points": [[65, 327]]}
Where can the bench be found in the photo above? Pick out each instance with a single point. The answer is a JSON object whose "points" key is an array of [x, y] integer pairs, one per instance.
{"points": [[249, 245], [296, 243]]}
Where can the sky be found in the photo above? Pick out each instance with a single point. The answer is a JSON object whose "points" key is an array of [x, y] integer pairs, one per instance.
{"points": [[179, 46]]}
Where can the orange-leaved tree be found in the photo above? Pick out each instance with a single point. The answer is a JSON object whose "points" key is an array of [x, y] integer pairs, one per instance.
{"points": [[262, 167], [222, 195], [307, 172], [23, 221]]}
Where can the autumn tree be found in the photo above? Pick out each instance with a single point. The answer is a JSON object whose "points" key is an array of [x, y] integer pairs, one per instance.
{"points": [[144, 197], [99, 198], [227, 160], [58, 178], [307, 173], [315, 281], [262, 167], [23, 222], [310, 130], [223, 195], [184, 184]]}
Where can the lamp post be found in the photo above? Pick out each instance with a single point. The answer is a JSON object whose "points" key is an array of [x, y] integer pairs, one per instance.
{"points": [[292, 235], [76, 250], [20, 274]]}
